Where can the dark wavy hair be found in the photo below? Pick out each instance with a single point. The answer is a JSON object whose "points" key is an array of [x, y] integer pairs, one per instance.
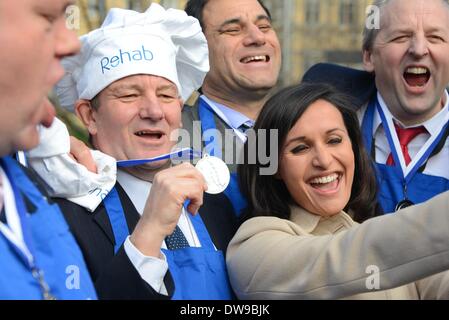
{"points": [[268, 195], [195, 9]]}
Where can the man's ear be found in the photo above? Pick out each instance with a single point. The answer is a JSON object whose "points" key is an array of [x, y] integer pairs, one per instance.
{"points": [[86, 114], [368, 61]]}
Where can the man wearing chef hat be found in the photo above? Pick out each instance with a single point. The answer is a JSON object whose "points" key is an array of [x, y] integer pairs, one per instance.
{"points": [[127, 85]]}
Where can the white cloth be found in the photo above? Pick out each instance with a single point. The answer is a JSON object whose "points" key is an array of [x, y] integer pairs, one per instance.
{"points": [[437, 165], [166, 43], [66, 178]]}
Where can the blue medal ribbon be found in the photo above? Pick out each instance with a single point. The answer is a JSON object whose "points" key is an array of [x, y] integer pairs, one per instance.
{"points": [[394, 153], [183, 154]]}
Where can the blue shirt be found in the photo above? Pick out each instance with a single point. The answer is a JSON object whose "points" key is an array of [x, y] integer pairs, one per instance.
{"points": [[231, 117]]}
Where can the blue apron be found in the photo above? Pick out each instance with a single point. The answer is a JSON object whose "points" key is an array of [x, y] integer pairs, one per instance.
{"points": [[393, 186], [52, 245], [206, 116], [198, 273]]}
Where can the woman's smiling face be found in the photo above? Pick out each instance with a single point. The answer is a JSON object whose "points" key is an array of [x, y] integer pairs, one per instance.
{"points": [[317, 160]]}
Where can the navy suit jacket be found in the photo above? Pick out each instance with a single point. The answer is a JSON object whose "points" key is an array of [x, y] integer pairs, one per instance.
{"points": [[360, 85]]}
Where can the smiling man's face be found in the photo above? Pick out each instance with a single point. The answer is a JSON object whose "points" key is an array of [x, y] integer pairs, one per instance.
{"points": [[135, 117], [244, 50], [410, 58]]}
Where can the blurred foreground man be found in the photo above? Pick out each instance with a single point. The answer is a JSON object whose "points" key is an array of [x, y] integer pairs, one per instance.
{"points": [[39, 257]]}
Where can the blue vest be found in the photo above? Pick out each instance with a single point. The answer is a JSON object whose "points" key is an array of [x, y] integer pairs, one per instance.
{"points": [[393, 187], [198, 273], [54, 249], [206, 115]]}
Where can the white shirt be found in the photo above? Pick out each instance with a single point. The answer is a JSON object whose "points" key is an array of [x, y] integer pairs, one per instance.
{"points": [[151, 269], [437, 165], [13, 230]]}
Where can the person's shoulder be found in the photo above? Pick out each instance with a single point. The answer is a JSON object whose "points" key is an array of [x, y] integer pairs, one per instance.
{"points": [[38, 182], [356, 83], [189, 115], [264, 223], [70, 208], [79, 219], [190, 110]]}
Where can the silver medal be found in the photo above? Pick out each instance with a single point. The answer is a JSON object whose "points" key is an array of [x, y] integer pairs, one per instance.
{"points": [[215, 172]]}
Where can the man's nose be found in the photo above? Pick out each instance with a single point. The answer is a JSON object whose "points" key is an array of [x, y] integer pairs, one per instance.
{"points": [[254, 36], [67, 42], [151, 108], [419, 46]]}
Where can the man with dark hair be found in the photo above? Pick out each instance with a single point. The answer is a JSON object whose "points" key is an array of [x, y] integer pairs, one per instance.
{"points": [[245, 59], [406, 120], [195, 9]]}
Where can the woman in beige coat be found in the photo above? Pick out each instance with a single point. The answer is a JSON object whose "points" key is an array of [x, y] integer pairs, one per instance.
{"points": [[302, 240]]}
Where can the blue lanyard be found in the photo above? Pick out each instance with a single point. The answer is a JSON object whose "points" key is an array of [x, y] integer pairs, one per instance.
{"points": [[206, 115], [394, 153], [186, 153]]}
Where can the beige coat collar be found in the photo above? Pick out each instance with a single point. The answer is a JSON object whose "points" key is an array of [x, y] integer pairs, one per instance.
{"points": [[312, 223]]}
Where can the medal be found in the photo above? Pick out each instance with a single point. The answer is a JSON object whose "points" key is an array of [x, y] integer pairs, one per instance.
{"points": [[215, 172], [403, 204]]}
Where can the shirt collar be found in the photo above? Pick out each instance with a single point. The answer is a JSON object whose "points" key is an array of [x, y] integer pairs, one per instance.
{"points": [[136, 189], [433, 125], [234, 118]]}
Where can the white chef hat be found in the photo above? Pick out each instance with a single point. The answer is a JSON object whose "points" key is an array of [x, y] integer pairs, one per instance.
{"points": [[166, 43]]}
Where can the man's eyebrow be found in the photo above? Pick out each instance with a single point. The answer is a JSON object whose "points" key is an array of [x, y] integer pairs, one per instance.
{"points": [[263, 17], [124, 86], [238, 20], [229, 21], [167, 87]]}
